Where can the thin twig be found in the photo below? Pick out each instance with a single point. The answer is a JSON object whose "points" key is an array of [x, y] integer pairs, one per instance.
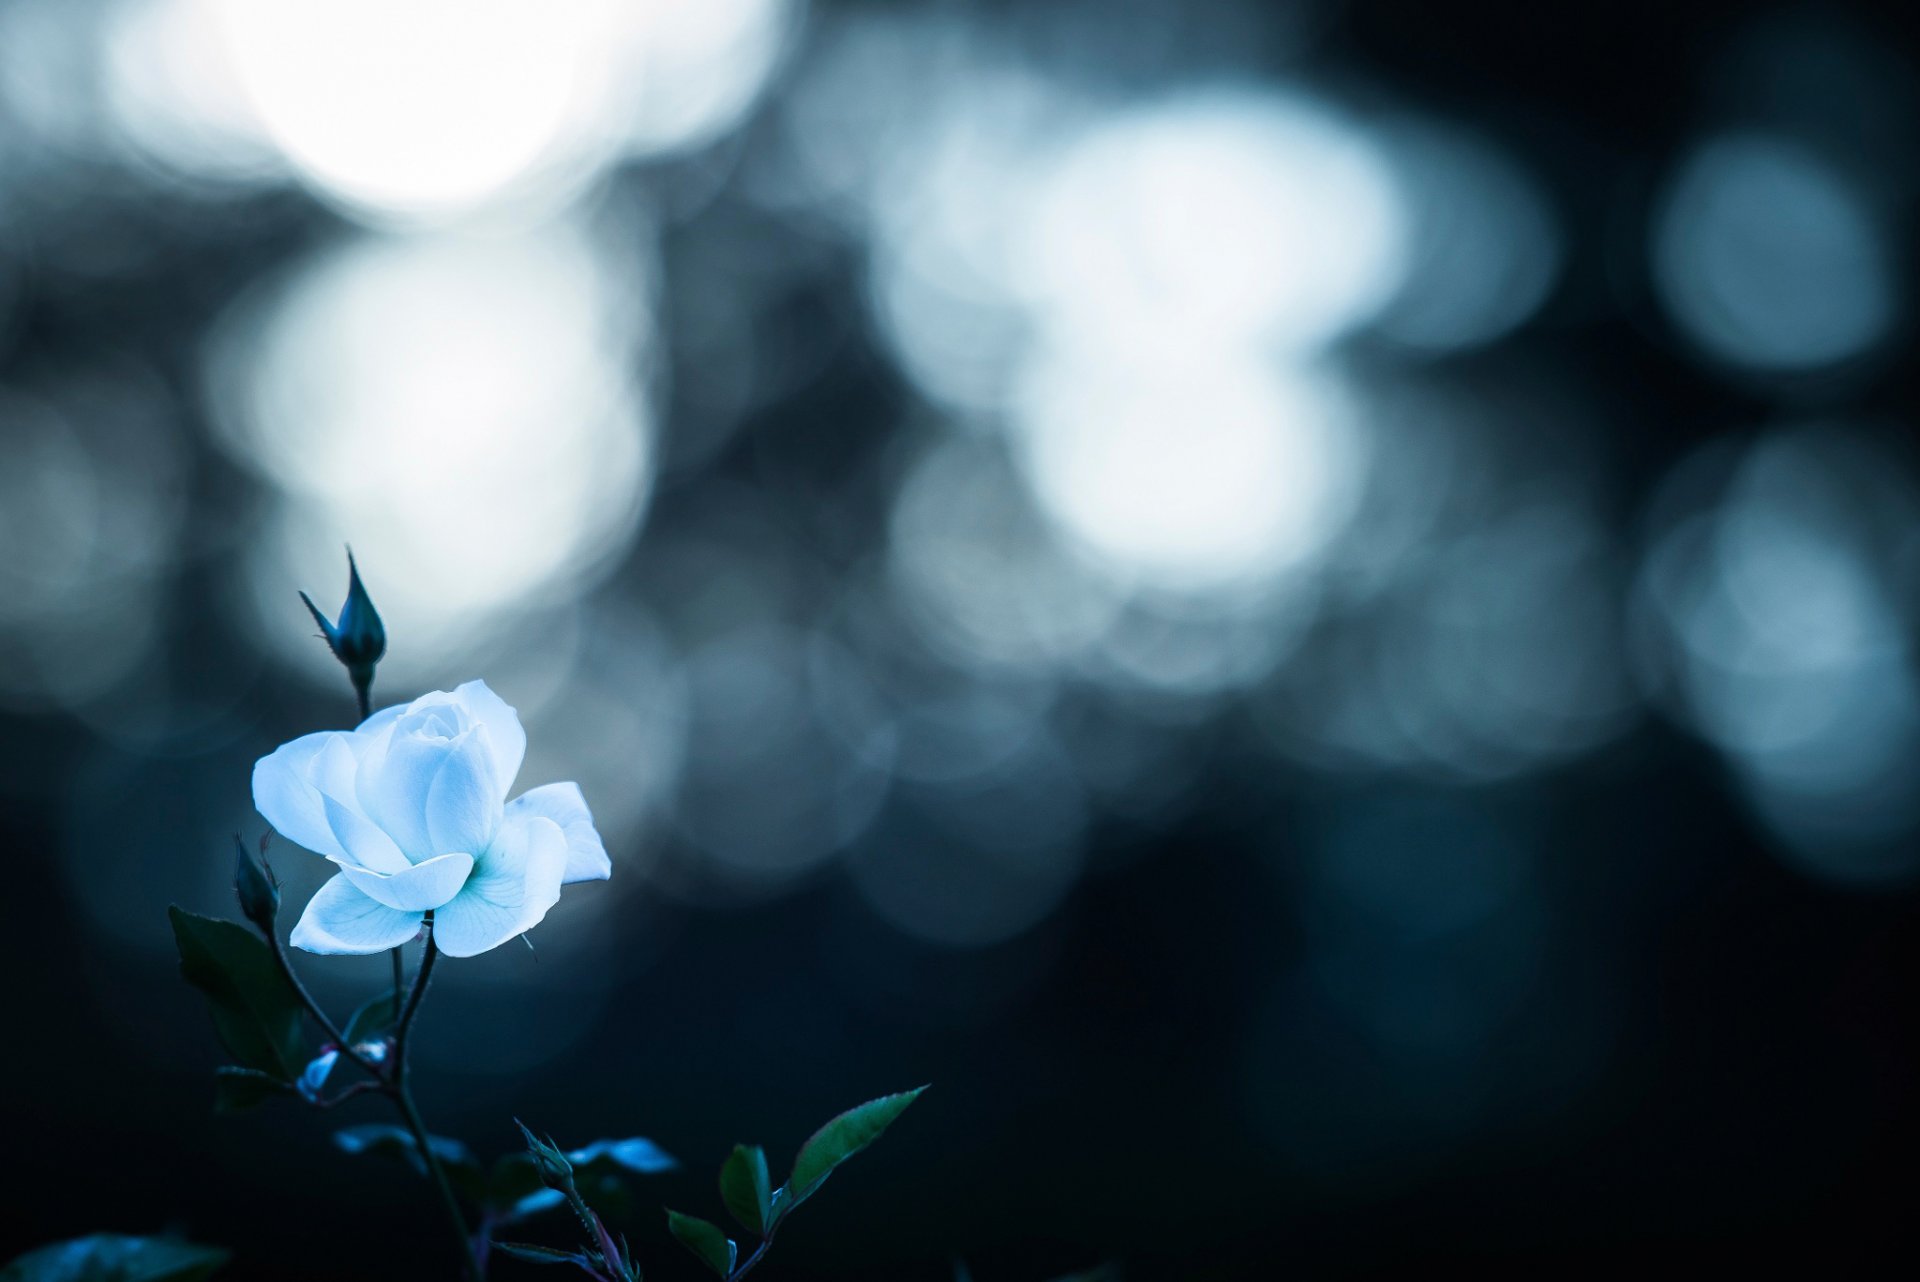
{"points": [[403, 1097], [358, 1088], [320, 1016]]}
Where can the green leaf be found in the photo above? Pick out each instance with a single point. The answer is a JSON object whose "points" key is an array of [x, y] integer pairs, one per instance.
{"points": [[541, 1254], [463, 1171], [113, 1257], [747, 1189], [375, 1017], [839, 1140], [255, 1010], [236, 1090], [714, 1248]]}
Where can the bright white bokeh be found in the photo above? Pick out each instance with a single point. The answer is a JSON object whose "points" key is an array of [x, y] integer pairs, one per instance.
{"points": [[1220, 215], [463, 410], [1189, 471], [432, 111], [421, 109], [171, 89], [1769, 257]]}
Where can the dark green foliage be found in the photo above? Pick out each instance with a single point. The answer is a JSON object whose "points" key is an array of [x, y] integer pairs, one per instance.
{"points": [[113, 1257], [463, 1170], [533, 1254], [254, 885], [237, 1089], [839, 1140], [747, 1189], [375, 1018], [704, 1238], [255, 1010]]}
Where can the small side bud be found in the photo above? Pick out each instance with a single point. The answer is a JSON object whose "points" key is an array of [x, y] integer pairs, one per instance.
{"points": [[556, 1172], [256, 886], [358, 639]]}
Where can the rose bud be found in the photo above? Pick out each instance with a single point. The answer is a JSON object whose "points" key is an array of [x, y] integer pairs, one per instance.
{"points": [[254, 883], [359, 639], [556, 1172]]}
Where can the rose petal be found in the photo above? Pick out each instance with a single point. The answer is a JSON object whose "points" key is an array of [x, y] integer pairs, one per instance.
{"points": [[284, 794], [432, 795], [563, 803], [361, 841], [340, 919], [511, 889], [505, 735], [416, 887]]}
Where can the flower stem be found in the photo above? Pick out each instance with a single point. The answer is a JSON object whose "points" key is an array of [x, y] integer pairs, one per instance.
{"points": [[403, 1097], [320, 1017]]}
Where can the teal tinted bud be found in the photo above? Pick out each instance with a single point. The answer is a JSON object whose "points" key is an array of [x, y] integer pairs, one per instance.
{"points": [[358, 639], [254, 883], [556, 1172]]}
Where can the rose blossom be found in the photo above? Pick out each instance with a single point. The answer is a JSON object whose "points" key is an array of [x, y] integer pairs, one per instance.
{"points": [[412, 806]]}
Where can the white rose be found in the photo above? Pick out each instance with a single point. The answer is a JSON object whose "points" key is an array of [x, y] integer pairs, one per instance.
{"points": [[412, 806]]}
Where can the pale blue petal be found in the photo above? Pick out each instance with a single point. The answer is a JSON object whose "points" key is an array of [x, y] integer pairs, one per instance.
{"points": [[284, 794], [463, 803], [339, 919], [362, 842], [563, 803], [381, 721], [417, 887], [433, 795], [504, 733], [511, 889]]}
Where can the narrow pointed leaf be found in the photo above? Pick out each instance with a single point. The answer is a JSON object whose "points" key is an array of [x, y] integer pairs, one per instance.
{"points": [[747, 1189], [540, 1254], [704, 1238], [840, 1139], [255, 1010], [235, 1090]]}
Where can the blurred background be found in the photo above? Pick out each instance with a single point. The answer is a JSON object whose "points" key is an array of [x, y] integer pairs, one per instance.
{"points": [[1305, 606]]}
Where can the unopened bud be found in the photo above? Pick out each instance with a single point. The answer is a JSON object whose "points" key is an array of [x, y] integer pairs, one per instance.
{"points": [[358, 639], [556, 1172], [254, 883]]}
